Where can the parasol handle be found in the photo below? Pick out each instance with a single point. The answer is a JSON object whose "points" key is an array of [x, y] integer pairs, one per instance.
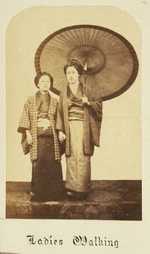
{"points": [[84, 86]]}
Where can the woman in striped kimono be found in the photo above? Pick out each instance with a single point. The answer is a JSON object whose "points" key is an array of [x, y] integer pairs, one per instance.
{"points": [[78, 121], [39, 137]]}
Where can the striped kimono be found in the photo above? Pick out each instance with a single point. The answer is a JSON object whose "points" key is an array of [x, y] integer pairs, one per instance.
{"points": [[81, 125]]}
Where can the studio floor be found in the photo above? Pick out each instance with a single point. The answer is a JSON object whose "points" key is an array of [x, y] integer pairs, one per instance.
{"points": [[108, 200]]}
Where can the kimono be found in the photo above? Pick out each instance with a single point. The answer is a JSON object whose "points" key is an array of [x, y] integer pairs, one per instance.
{"points": [[81, 124], [45, 152]]}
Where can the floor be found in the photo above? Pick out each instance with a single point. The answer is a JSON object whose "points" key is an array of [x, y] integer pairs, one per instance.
{"points": [[108, 200]]}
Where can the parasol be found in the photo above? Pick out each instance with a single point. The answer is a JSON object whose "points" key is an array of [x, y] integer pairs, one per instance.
{"points": [[109, 59]]}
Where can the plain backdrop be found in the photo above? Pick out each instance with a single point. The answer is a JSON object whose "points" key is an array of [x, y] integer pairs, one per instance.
{"points": [[119, 156]]}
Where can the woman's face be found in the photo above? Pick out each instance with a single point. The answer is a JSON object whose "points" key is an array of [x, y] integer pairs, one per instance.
{"points": [[72, 75], [44, 83]]}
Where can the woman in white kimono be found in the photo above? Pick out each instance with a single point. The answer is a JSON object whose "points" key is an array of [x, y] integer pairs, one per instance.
{"points": [[78, 121], [40, 138]]}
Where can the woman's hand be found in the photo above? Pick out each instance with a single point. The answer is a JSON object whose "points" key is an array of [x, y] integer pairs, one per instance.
{"points": [[85, 100], [29, 138], [61, 136]]}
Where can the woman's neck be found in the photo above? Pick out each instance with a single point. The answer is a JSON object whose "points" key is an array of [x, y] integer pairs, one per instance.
{"points": [[74, 87], [43, 92]]}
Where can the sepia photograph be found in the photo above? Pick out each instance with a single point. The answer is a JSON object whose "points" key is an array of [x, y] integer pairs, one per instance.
{"points": [[74, 131], [74, 106]]}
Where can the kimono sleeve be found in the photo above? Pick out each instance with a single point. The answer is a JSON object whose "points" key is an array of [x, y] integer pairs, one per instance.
{"points": [[24, 123], [95, 114], [60, 118], [96, 107]]}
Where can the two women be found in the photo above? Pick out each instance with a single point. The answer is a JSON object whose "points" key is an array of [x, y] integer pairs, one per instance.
{"points": [[77, 123], [39, 137], [79, 118]]}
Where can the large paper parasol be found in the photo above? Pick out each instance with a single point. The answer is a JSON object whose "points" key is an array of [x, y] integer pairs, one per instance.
{"points": [[111, 61]]}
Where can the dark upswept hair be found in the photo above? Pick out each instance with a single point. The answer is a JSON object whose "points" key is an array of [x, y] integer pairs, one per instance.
{"points": [[40, 74], [76, 64]]}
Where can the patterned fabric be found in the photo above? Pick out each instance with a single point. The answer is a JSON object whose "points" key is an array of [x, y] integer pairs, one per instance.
{"points": [[91, 123], [29, 121], [75, 107], [76, 113], [78, 173]]}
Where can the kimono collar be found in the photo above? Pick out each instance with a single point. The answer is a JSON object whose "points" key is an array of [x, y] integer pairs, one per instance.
{"points": [[78, 93], [42, 98], [43, 95], [75, 98]]}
